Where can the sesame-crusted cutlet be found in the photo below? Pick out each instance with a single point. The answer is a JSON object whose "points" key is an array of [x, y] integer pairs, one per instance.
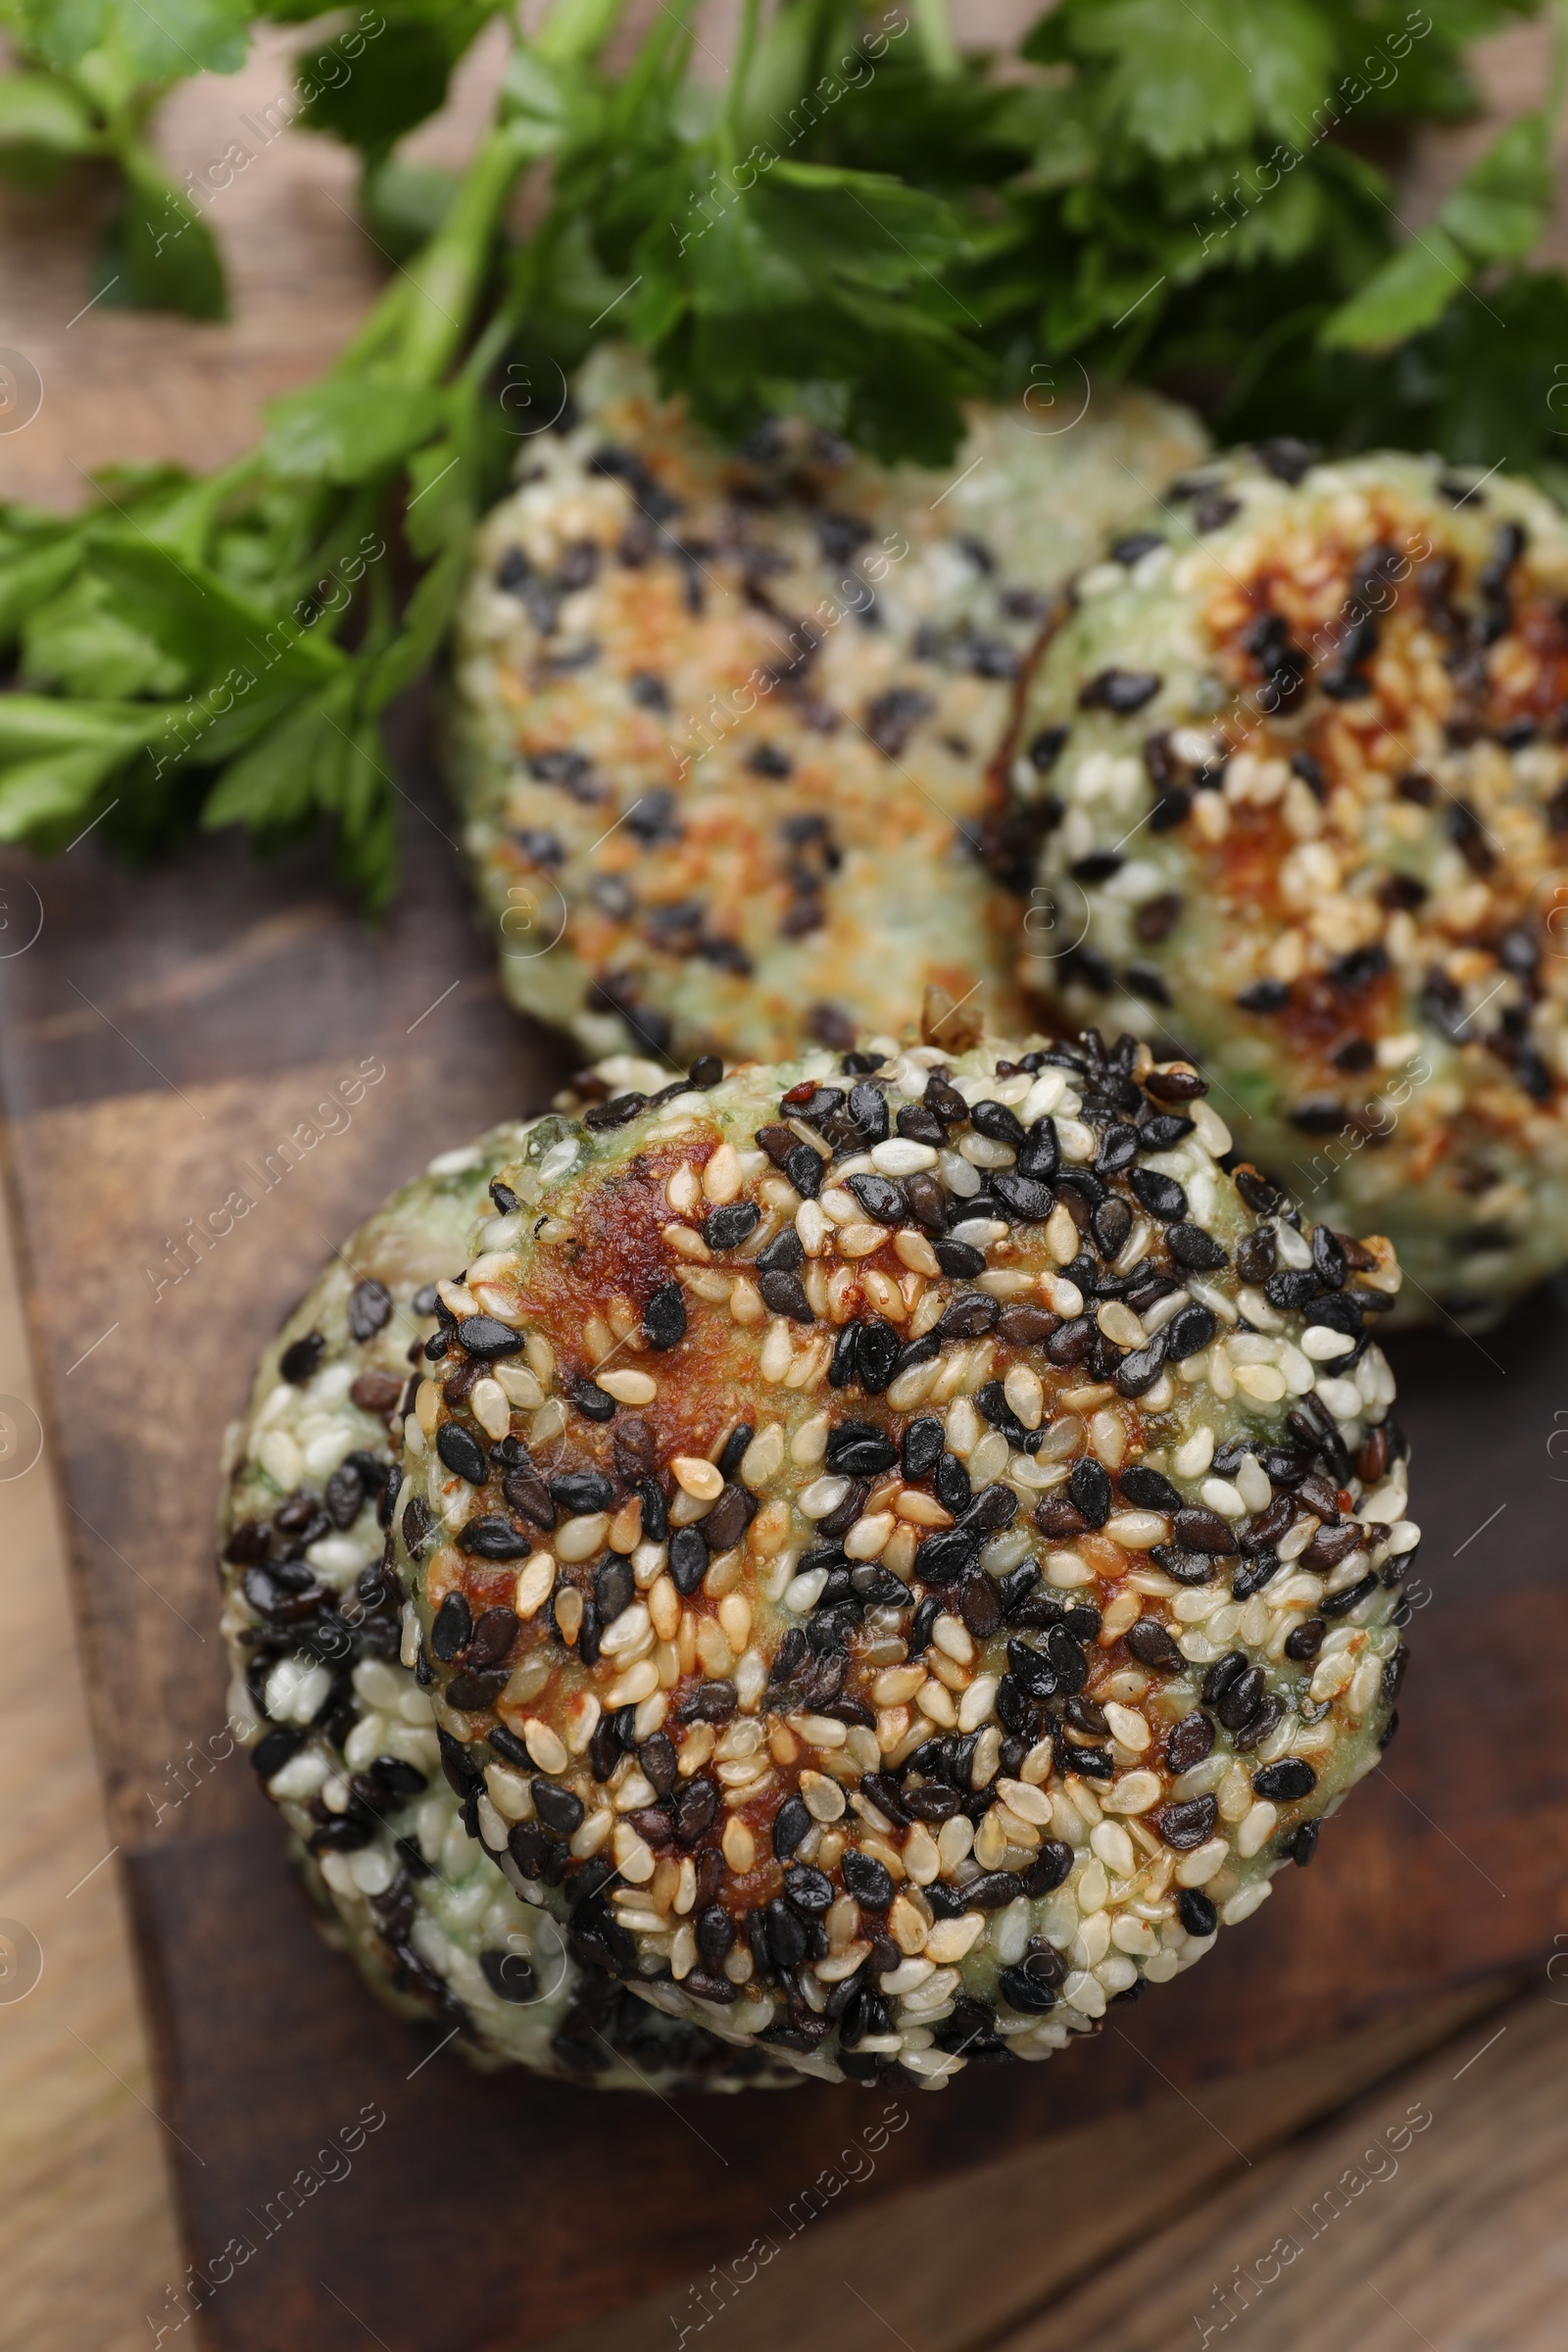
{"points": [[1293, 777], [720, 723], [900, 1550]]}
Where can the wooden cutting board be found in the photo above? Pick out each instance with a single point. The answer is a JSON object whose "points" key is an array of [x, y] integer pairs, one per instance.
{"points": [[168, 1025], [163, 1027]]}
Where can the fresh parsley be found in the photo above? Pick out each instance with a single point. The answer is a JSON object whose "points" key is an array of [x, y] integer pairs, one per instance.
{"points": [[858, 219]]}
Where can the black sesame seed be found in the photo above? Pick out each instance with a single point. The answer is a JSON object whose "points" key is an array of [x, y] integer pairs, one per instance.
{"points": [[1161, 1195], [556, 1807], [615, 1589], [725, 1228], [592, 1401], [771, 760], [370, 1305], [1025, 1198], [482, 1335], [845, 1357], [804, 1167], [995, 1121], [1188, 1741], [1119, 691], [1097, 867], [876, 1354], [1148, 1490], [730, 1518], [1090, 1491], [867, 1880], [1197, 1913], [1039, 1152], [616, 1112], [1139, 1371], [494, 1539], [1046, 749], [1302, 1842], [582, 1491], [688, 1559], [452, 1629], [784, 1254], [344, 1494], [970, 1315], [881, 1197], [461, 1453], [509, 1975], [1151, 1645], [1028, 1986], [732, 1453], [791, 1824], [785, 1295], [664, 1317], [869, 1110], [858, 1449], [1225, 1671], [274, 1749], [1189, 1823], [1242, 1698], [1188, 1329], [808, 1889], [952, 1483], [1190, 1246], [299, 1360], [1328, 1257]]}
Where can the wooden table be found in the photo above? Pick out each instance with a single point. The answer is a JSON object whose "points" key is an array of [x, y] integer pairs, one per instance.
{"points": [[165, 1026]]}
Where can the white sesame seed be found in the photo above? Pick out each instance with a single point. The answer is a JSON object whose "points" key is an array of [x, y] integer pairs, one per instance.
{"points": [[869, 1535], [1194, 1456], [1127, 1726], [580, 1538], [900, 1156], [1245, 1901], [1137, 1531], [546, 1747], [1321, 1344], [698, 1478], [535, 1579], [823, 1495], [1110, 1841], [1201, 1865], [1134, 1792]]}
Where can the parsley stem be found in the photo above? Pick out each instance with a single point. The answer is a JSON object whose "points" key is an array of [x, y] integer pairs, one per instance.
{"points": [[936, 44], [575, 30], [446, 275], [741, 63], [1557, 78]]}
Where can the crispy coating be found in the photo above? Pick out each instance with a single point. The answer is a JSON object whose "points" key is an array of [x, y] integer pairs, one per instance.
{"points": [[341, 1731], [1300, 789], [721, 724], [901, 1550]]}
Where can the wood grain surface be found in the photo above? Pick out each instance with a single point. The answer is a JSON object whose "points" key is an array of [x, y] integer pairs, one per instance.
{"points": [[1430, 2213], [78, 2135], [166, 1026]]}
